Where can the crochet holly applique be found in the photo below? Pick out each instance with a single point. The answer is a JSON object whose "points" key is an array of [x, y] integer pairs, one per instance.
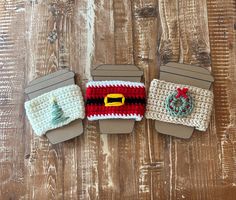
{"points": [[179, 103]]}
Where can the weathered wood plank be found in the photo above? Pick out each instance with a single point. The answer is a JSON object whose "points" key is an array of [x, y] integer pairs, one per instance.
{"points": [[12, 62], [222, 32], [123, 38], [149, 153]]}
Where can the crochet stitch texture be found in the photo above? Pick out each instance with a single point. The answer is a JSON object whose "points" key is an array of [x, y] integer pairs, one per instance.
{"points": [[133, 93], [200, 115], [39, 110]]}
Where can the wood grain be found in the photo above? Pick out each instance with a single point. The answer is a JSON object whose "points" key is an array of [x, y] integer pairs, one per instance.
{"points": [[141, 165], [222, 20], [12, 63]]}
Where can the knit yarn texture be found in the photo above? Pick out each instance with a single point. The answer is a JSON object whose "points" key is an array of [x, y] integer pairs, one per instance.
{"points": [[41, 110], [156, 104], [134, 103]]}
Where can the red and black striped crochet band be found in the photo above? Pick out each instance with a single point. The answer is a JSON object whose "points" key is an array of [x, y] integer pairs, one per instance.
{"points": [[115, 100]]}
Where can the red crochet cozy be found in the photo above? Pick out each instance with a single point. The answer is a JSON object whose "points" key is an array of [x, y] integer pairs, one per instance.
{"points": [[115, 100]]}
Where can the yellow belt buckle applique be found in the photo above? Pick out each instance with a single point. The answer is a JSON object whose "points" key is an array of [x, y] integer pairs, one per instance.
{"points": [[114, 96]]}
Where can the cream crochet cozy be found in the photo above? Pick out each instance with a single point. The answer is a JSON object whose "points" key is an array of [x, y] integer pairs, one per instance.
{"points": [[41, 113], [200, 115]]}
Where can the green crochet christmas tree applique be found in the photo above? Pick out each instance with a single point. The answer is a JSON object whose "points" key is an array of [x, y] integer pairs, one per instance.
{"points": [[57, 113], [179, 103]]}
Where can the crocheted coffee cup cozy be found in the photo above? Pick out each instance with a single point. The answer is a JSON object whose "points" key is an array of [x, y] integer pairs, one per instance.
{"points": [[115, 100], [55, 109], [179, 104]]}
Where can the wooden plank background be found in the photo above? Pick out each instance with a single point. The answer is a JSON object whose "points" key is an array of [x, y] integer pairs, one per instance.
{"points": [[144, 164]]}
